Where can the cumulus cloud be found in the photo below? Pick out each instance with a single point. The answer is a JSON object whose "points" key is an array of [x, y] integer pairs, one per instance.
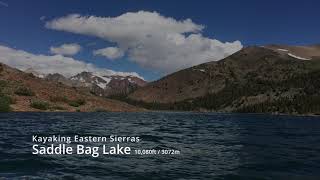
{"points": [[150, 39], [44, 64], [66, 49], [110, 52]]}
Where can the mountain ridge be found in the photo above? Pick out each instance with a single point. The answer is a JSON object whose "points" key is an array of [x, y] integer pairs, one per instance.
{"points": [[100, 85], [251, 77]]}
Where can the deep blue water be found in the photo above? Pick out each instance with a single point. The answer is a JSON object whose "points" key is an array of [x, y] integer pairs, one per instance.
{"points": [[212, 146]]}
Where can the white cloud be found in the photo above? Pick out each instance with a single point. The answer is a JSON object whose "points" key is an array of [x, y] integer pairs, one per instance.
{"points": [[110, 52], [44, 64], [150, 39], [4, 4], [66, 49], [42, 18]]}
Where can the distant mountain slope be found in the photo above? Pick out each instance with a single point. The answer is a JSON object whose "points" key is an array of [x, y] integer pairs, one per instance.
{"points": [[302, 52], [255, 79], [25, 92], [100, 85]]}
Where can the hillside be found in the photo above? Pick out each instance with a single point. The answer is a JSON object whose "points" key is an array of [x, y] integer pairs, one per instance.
{"points": [[255, 79], [25, 92]]}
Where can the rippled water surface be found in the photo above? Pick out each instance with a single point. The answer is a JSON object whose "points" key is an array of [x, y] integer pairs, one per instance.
{"points": [[213, 146]]}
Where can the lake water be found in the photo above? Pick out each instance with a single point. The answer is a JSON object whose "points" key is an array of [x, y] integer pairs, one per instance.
{"points": [[211, 146]]}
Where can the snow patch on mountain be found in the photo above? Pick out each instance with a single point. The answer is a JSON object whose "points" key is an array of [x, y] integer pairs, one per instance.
{"points": [[105, 78], [284, 50], [297, 57], [102, 85], [201, 70]]}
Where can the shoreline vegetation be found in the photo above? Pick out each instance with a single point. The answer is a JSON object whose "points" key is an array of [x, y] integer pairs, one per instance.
{"points": [[177, 107]]}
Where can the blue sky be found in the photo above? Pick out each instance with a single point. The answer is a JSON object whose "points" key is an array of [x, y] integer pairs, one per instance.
{"points": [[250, 22]]}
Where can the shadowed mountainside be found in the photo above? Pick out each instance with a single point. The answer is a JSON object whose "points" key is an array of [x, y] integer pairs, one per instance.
{"points": [[255, 79]]}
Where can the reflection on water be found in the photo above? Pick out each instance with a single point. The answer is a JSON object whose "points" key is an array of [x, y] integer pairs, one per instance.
{"points": [[213, 146]]}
